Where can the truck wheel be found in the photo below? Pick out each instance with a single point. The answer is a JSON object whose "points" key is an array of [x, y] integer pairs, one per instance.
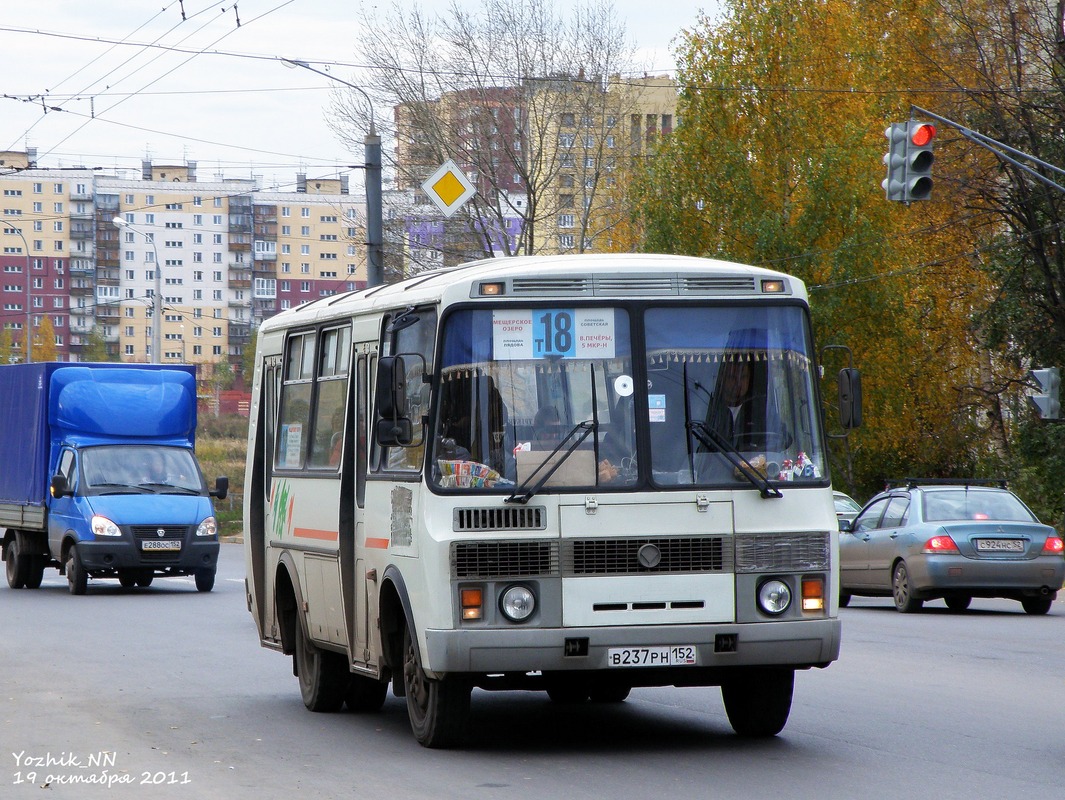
{"points": [[323, 674], [439, 709], [77, 579], [758, 702], [35, 573], [145, 578], [127, 578], [16, 565], [204, 580]]}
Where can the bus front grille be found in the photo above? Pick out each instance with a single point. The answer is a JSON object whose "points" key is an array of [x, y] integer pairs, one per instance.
{"points": [[507, 518], [646, 556], [787, 552], [483, 560]]}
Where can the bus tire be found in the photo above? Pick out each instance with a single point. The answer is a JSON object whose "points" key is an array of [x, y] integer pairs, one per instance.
{"points": [[758, 701], [16, 565], [365, 695], [77, 578], [322, 674], [439, 710]]}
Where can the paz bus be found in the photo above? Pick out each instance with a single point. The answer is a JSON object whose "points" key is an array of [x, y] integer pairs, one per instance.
{"points": [[533, 473]]}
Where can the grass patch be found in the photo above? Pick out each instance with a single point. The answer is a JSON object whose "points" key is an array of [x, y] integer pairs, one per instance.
{"points": [[222, 447]]}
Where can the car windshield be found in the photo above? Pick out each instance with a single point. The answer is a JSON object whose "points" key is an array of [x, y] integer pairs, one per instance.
{"points": [[546, 398], [117, 468], [941, 505]]}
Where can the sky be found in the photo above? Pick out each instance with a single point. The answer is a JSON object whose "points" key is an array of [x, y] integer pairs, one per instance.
{"points": [[80, 86]]}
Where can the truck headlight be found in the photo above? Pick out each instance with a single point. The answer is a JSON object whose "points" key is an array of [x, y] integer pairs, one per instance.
{"points": [[209, 527], [774, 597], [102, 526]]}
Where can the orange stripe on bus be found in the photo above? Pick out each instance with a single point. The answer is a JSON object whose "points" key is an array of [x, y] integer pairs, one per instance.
{"points": [[380, 544], [312, 533]]}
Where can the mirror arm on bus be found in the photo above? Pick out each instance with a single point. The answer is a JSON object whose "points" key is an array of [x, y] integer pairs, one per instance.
{"points": [[711, 438], [523, 495]]}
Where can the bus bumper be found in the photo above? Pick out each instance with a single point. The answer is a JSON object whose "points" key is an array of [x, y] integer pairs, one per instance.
{"points": [[799, 644]]}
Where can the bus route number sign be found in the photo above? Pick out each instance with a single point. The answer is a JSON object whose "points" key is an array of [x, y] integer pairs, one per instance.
{"points": [[553, 333]]}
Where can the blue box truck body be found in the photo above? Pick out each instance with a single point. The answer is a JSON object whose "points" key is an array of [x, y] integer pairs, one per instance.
{"points": [[98, 476]]}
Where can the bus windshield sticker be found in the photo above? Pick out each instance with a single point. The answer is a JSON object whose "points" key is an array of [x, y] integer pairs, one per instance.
{"points": [[553, 333]]}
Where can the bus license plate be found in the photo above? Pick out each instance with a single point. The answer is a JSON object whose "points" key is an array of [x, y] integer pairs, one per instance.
{"points": [[161, 544], [675, 655]]}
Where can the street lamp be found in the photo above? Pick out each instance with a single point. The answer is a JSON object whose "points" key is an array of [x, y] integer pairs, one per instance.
{"points": [[28, 337], [157, 301], [375, 273]]}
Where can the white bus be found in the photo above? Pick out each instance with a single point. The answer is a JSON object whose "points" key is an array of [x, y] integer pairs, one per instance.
{"points": [[574, 474]]}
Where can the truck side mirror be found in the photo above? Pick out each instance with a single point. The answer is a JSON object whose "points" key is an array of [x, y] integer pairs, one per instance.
{"points": [[59, 486], [850, 398], [221, 487]]}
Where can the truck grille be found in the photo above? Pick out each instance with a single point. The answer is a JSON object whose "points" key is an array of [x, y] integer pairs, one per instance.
{"points": [[646, 555], [158, 532]]}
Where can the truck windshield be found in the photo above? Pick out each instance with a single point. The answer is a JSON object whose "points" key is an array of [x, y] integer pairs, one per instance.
{"points": [[111, 468], [724, 397]]}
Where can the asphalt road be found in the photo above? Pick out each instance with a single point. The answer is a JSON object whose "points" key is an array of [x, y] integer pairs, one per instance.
{"points": [[165, 692]]}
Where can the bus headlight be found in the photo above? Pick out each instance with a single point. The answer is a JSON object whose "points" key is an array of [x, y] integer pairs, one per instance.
{"points": [[102, 526], [517, 603], [209, 527], [774, 597]]}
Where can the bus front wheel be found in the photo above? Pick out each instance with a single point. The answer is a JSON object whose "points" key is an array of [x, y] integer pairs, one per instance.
{"points": [[439, 709], [758, 701]]}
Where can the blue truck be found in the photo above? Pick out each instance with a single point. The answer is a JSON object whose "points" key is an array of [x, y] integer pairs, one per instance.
{"points": [[98, 476]]}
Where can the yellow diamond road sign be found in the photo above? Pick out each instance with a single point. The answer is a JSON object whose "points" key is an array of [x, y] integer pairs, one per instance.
{"points": [[448, 188]]}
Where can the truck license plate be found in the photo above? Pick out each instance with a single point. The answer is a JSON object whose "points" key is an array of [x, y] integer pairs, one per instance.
{"points": [[674, 655], [161, 544]]}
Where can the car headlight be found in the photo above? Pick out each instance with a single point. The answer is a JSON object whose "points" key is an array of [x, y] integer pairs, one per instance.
{"points": [[517, 603], [209, 527], [102, 526], [774, 597]]}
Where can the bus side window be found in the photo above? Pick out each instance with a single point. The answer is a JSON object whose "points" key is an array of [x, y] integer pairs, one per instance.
{"points": [[413, 333]]}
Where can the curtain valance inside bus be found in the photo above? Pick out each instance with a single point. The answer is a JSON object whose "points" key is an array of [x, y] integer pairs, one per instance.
{"points": [[734, 333], [469, 343]]}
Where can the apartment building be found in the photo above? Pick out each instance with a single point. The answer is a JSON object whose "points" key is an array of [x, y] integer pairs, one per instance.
{"points": [[221, 254]]}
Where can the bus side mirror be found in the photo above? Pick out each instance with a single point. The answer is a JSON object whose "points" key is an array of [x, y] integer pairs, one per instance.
{"points": [[850, 398], [221, 487], [393, 427]]}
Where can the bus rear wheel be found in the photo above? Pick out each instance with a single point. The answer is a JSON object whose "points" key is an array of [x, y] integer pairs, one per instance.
{"points": [[439, 709], [758, 701], [323, 675]]}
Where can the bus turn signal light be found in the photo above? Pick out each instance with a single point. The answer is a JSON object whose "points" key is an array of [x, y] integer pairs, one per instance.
{"points": [[471, 603], [813, 594]]}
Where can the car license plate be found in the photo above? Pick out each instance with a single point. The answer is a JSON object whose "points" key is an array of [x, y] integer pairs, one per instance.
{"points": [[674, 655], [161, 544], [1000, 545]]}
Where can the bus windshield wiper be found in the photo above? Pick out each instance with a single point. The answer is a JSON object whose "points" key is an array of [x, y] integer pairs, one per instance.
{"points": [[708, 437], [578, 433]]}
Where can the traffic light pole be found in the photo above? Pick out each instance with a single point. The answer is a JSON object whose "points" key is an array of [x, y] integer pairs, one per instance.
{"points": [[999, 149]]}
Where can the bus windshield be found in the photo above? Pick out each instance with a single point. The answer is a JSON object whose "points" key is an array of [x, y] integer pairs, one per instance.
{"points": [[549, 398]]}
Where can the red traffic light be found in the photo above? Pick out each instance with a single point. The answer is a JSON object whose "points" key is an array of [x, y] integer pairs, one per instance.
{"points": [[922, 134]]}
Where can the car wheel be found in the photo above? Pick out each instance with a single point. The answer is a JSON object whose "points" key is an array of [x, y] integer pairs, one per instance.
{"points": [[902, 592], [610, 694], [1036, 605], [958, 602], [77, 579], [844, 600], [758, 702]]}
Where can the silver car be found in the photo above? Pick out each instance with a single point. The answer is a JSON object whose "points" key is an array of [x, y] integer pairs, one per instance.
{"points": [[951, 540]]}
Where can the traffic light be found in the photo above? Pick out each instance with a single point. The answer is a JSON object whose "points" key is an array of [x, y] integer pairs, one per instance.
{"points": [[895, 161], [919, 158], [909, 161], [1048, 402]]}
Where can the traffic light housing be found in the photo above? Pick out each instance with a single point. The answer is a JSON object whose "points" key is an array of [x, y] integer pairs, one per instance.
{"points": [[1048, 401], [909, 161]]}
